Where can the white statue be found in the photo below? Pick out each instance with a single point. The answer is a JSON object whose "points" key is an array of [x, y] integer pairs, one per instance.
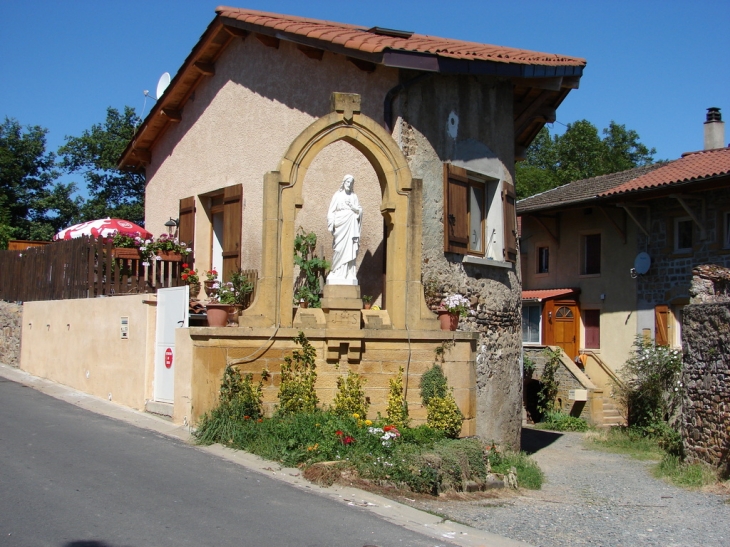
{"points": [[344, 218]]}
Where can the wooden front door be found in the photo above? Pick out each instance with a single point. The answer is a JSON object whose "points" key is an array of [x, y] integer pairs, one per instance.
{"points": [[560, 318]]}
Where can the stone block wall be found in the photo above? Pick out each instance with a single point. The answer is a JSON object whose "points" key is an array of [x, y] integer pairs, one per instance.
{"points": [[380, 361], [670, 274], [706, 379], [10, 323]]}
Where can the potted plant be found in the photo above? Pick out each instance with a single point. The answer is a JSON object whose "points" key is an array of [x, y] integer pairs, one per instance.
{"points": [[211, 283], [367, 301], [242, 287], [311, 269], [453, 307], [221, 305], [304, 297], [190, 277], [169, 248]]}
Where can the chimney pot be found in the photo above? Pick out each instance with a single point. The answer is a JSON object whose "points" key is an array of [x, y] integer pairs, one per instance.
{"points": [[714, 129]]}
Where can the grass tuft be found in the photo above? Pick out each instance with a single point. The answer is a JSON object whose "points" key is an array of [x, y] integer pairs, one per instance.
{"points": [[687, 475]]}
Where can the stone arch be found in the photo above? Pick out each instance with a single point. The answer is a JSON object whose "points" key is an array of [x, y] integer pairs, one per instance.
{"points": [[283, 195]]}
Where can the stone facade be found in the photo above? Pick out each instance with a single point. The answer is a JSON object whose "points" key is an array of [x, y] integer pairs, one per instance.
{"points": [[670, 274], [706, 379], [10, 322]]}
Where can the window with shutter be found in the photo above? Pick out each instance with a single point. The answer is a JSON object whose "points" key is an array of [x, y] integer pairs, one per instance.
{"points": [[456, 220], [661, 325], [510, 222], [186, 227], [592, 326], [232, 222]]}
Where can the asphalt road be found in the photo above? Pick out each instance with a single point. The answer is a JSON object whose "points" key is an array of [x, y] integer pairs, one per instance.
{"points": [[72, 478]]}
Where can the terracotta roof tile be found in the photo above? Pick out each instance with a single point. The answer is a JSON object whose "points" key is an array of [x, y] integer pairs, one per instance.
{"points": [[340, 33], [545, 294], [688, 168], [581, 190]]}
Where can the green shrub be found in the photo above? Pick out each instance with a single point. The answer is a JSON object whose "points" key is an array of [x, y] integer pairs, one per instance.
{"points": [[298, 378], [433, 384], [350, 397], [397, 411], [549, 384], [444, 414], [560, 421], [529, 474]]}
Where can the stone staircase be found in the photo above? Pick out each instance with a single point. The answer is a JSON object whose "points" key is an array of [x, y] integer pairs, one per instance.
{"points": [[611, 415]]}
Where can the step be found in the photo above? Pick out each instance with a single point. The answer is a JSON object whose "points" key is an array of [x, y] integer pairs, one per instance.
{"points": [[158, 408]]}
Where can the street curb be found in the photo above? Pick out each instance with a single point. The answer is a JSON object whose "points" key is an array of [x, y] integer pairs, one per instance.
{"points": [[392, 511]]}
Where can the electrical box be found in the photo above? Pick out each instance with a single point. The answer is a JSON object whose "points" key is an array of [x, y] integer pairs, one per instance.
{"points": [[124, 328], [578, 394]]}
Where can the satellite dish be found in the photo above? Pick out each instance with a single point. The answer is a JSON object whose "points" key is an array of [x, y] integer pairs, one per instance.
{"points": [[642, 263], [162, 84]]}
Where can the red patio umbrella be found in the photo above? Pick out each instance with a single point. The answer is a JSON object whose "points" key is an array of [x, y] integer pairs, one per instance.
{"points": [[103, 227]]}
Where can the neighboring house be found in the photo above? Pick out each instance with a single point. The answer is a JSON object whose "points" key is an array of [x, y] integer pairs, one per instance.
{"points": [[254, 135], [610, 258]]}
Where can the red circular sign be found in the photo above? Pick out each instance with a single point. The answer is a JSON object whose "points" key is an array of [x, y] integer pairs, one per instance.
{"points": [[168, 357]]}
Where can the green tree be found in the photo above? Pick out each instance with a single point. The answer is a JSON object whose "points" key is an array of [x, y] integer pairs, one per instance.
{"points": [[579, 153], [112, 193], [32, 204]]}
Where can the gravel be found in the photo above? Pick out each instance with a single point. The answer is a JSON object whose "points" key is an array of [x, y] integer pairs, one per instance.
{"points": [[595, 498]]}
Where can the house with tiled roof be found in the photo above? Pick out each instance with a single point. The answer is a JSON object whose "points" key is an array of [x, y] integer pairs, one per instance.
{"points": [[610, 258], [255, 133]]}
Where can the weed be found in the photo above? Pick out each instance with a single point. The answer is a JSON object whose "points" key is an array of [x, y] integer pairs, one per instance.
{"points": [[529, 474], [687, 475], [560, 421]]}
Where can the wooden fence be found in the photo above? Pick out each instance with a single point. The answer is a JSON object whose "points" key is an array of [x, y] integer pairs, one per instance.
{"points": [[80, 268]]}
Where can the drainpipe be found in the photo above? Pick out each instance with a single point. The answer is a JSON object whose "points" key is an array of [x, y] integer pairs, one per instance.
{"points": [[393, 93]]}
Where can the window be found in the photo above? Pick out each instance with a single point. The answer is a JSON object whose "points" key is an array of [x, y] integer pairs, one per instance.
{"points": [[531, 324], [591, 254], [592, 327], [682, 235], [479, 215], [661, 325], [543, 259], [726, 224]]}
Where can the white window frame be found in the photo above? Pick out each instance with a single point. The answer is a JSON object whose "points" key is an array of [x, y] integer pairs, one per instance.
{"points": [[539, 323], [677, 222]]}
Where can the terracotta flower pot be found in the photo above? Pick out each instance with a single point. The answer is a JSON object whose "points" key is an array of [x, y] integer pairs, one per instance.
{"points": [[209, 290], [217, 314], [449, 321], [170, 256], [367, 305]]}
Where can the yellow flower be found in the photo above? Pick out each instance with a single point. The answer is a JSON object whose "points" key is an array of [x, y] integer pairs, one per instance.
{"points": [[368, 422], [356, 416]]}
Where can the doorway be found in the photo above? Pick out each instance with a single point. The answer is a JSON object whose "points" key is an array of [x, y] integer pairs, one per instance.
{"points": [[561, 318]]}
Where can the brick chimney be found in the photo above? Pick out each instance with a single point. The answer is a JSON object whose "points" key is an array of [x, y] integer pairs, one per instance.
{"points": [[714, 129]]}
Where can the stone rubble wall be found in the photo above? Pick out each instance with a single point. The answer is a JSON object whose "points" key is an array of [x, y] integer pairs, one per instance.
{"points": [[11, 316], [706, 379]]}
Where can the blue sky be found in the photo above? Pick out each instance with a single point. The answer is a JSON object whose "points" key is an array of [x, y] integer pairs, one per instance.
{"points": [[654, 66]]}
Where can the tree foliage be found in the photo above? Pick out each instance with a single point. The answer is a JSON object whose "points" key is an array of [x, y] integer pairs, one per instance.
{"points": [[32, 204], [112, 193], [579, 153]]}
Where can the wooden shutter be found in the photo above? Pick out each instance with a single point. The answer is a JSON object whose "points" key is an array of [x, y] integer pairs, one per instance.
{"points": [[186, 228], [510, 222], [456, 219], [661, 325], [232, 222]]}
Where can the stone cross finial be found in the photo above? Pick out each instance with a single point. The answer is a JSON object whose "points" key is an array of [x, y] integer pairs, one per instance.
{"points": [[347, 103]]}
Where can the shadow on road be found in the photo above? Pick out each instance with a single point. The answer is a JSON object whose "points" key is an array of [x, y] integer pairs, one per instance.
{"points": [[533, 440]]}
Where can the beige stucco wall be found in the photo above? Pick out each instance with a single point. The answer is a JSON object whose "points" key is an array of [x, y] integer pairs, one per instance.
{"points": [[618, 309], [78, 343], [237, 127], [202, 355]]}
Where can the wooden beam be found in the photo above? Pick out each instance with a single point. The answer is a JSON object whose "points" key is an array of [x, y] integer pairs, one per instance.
{"points": [[690, 212], [269, 41], [621, 232], [235, 31], [206, 69], [311, 52], [142, 154], [172, 114], [530, 111], [365, 66], [571, 82], [552, 84], [554, 237], [633, 217]]}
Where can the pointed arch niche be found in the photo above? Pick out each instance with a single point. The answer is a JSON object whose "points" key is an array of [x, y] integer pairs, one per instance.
{"points": [[400, 207]]}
